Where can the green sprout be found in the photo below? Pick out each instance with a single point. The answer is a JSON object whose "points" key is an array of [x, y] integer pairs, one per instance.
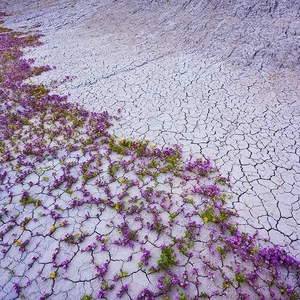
{"points": [[208, 215], [240, 278], [86, 297], [113, 170], [167, 258], [27, 200]]}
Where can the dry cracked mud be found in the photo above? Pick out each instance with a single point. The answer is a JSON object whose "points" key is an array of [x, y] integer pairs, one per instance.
{"points": [[220, 78]]}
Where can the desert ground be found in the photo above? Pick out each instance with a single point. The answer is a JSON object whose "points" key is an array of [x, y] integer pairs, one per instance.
{"points": [[219, 78]]}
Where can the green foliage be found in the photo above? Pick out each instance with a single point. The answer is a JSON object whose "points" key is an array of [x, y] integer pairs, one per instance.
{"points": [[172, 216], [27, 200], [167, 258], [132, 235], [182, 296], [86, 297], [39, 91], [113, 169], [87, 142], [203, 295], [208, 215], [78, 122], [37, 70], [232, 229], [222, 250], [87, 176], [153, 163], [221, 180], [159, 227], [226, 284], [127, 145], [240, 278], [224, 216], [105, 285], [69, 191], [183, 250]]}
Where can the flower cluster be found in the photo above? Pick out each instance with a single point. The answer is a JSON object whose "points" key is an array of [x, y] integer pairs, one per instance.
{"points": [[81, 199]]}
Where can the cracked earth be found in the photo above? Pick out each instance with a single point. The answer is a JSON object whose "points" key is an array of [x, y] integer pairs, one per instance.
{"points": [[219, 79]]}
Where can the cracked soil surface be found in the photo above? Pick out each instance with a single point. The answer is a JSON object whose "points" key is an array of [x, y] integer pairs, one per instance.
{"points": [[220, 78]]}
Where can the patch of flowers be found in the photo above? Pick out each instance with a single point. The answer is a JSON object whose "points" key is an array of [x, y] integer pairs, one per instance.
{"points": [[124, 217]]}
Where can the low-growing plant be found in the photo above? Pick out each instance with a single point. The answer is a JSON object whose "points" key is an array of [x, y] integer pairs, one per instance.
{"points": [[167, 258]]}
